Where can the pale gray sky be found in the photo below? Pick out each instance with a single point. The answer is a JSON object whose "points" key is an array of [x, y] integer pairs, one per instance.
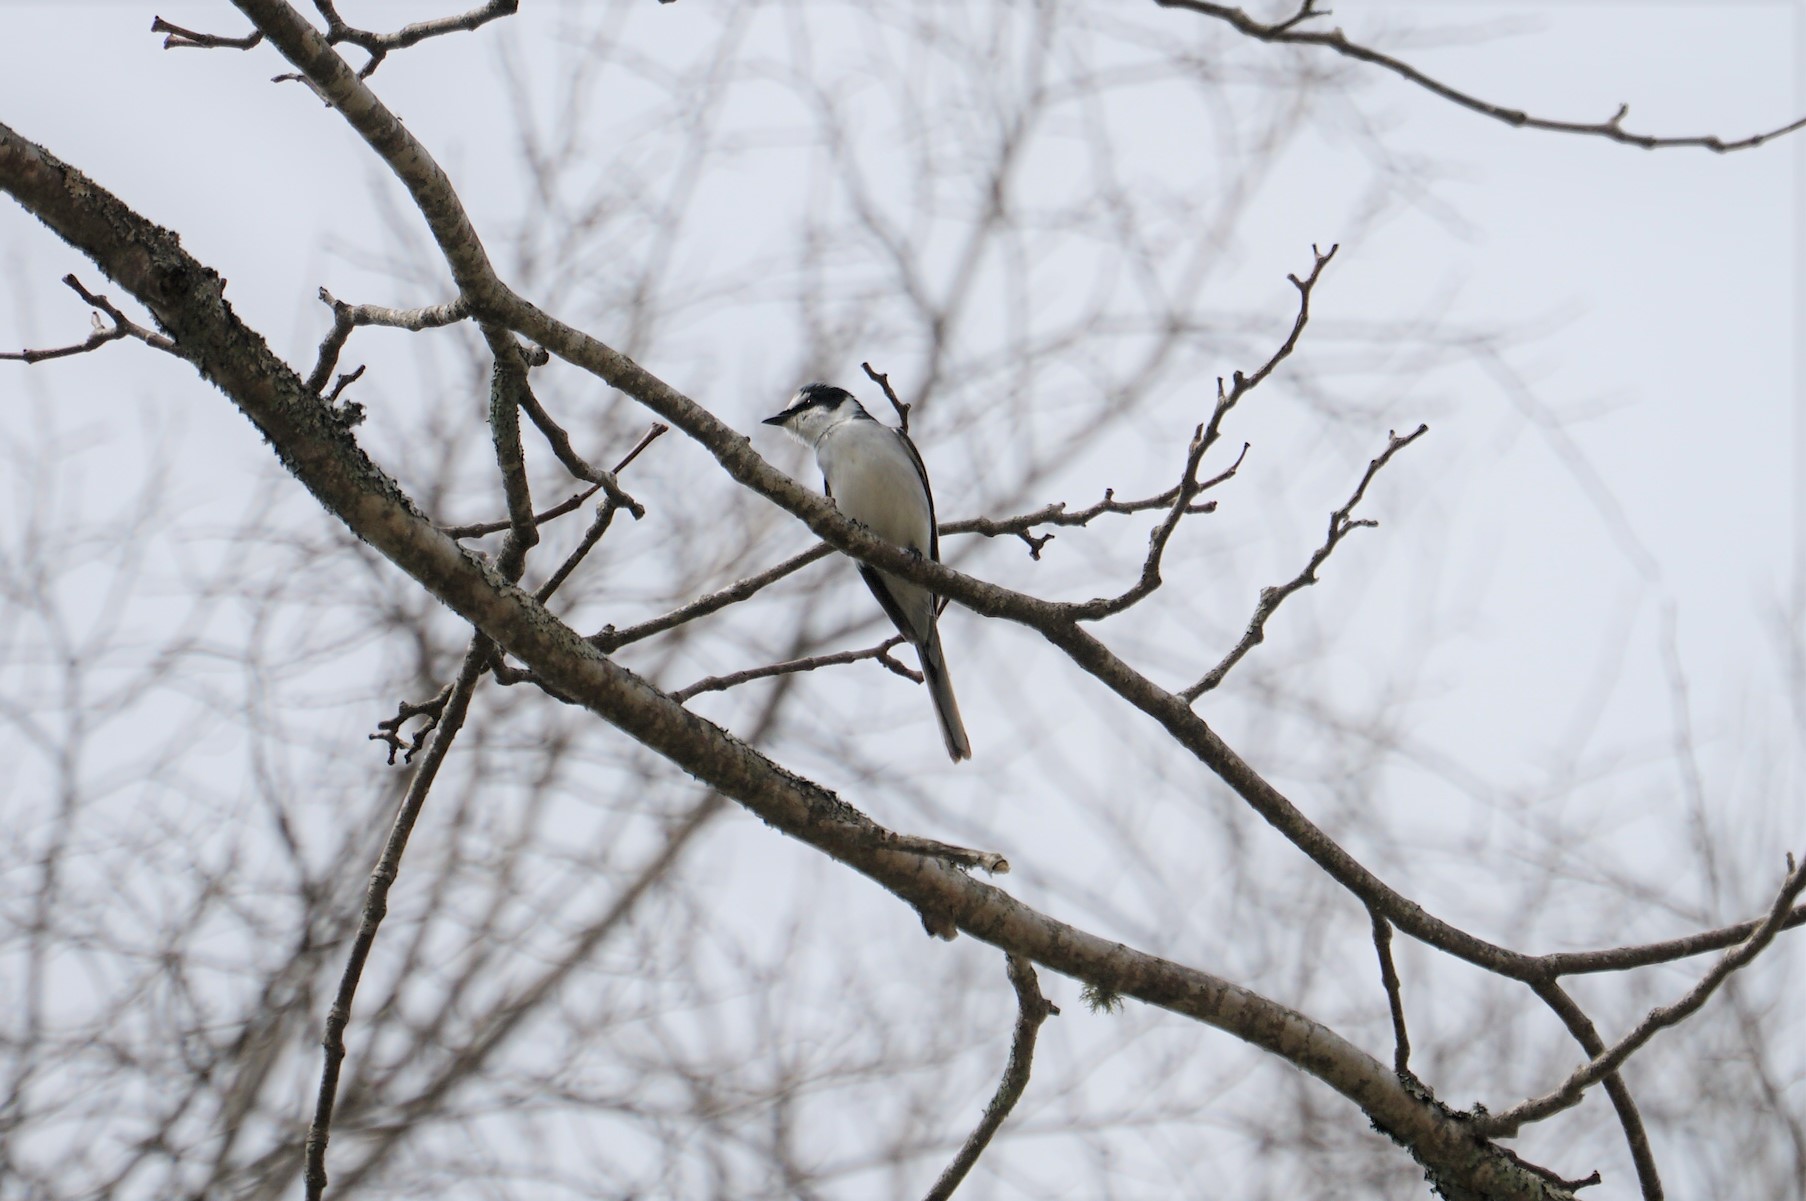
{"points": [[1622, 478]]}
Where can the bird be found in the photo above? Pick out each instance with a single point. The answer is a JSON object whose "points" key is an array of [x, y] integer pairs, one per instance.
{"points": [[875, 476]]}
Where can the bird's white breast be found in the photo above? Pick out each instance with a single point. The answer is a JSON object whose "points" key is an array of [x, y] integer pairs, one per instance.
{"points": [[874, 481]]}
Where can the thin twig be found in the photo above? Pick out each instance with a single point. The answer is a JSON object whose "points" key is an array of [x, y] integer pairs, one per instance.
{"points": [[481, 529], [345, 380], [609, 639], [181, 39], [1612, 129], [1031, 1010], [379, 44], [1620, 959], [1630, 1119], [1401, 1038], [1569, 1092], [883, 381], [575, 463], [389, 729], [122, 327], [1202, 440], [1341, 524], [881, 653], [376, 906], [1057, 513], [346, 317], [605, 515]]}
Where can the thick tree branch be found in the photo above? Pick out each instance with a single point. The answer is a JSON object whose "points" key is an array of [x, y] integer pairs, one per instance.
{"points": [[507, 387], [1031, 1010], [1287, 33]]}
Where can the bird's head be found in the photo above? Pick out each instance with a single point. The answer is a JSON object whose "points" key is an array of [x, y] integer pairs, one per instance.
{"points": [[816, 409]]}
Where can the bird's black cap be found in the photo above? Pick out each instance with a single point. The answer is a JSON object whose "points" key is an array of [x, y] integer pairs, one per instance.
{"points": [[810, 396]]}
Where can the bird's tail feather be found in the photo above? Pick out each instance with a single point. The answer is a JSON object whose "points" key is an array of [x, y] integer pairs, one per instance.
{"points": [[940, 688]]}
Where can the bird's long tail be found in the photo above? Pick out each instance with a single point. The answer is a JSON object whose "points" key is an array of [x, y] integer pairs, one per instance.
{"points": [[934, 672]]}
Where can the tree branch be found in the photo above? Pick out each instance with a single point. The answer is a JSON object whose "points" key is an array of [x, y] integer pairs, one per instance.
{"points": [[1286, 33], [1395, 1001], [1202, 440], [1620, 959], [881, 653], [1569, 1092], [1341, 524], [376, 906], [122, 327], [608, 639], [1057, 513], [346, 317], [1031, 1010], [186, 299], [1630, 1119], [183, 39], [882, 379], [379, 44]]}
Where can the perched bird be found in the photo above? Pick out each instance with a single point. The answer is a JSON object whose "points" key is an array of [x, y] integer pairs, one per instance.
{"points": [[875, 476]]}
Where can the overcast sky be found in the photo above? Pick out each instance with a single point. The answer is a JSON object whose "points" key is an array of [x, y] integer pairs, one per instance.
{"points": [[1622, 480]]}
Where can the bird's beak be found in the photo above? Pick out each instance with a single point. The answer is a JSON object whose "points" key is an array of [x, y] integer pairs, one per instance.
{"points": [[780, 419]]}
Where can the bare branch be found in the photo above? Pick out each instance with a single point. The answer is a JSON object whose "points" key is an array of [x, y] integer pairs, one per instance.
{"points": [[573, 462], [1612, 129], [605, 514], [122, 327], [1341, 524], [1203, 438], [1569, 1092], [479, 529], [1620, 959], [376, 906], [345, 380], [989, 862], [379, 44], [1031, 1010], [389, 729], [180, 38], [608, 639], [881, 653], [1057, 514], [883, 381], [1395, 1001], [346, 317], [1630, 1119], [507, 390]]}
